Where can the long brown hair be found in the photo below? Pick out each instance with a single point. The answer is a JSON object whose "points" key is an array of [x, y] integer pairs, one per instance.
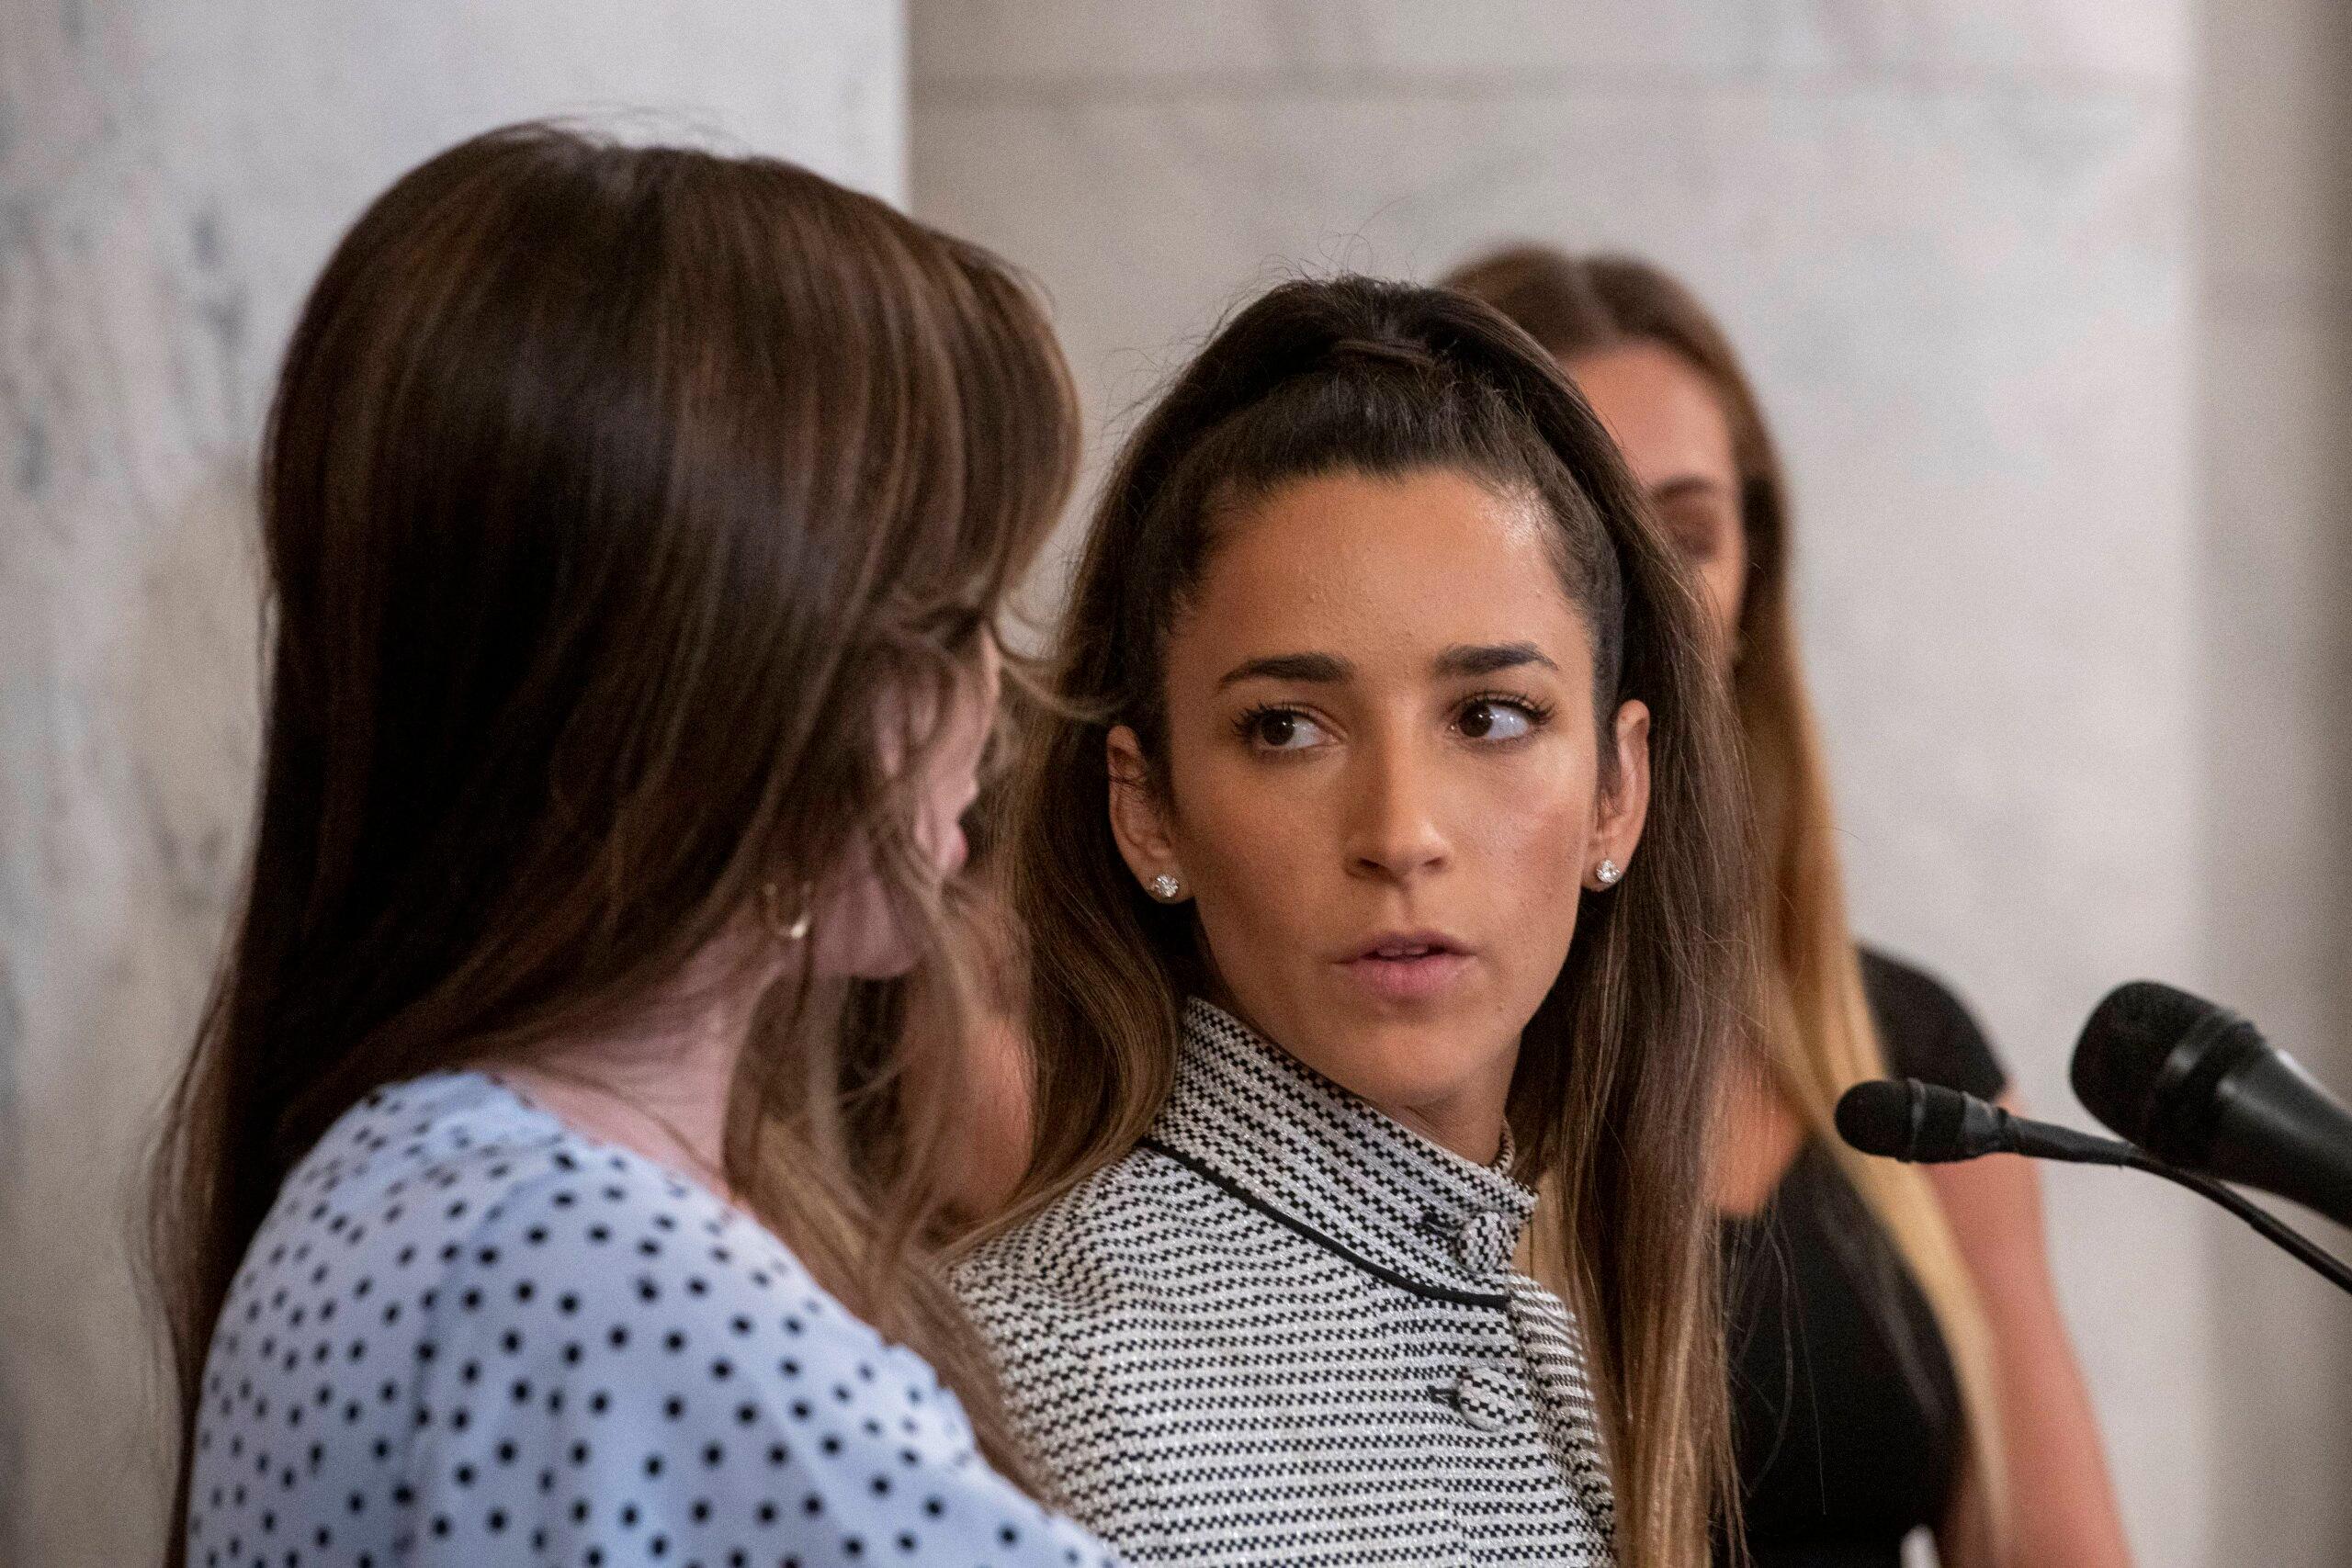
{"points": [[608, 496], [1822, 1038], [1611, 1100]]}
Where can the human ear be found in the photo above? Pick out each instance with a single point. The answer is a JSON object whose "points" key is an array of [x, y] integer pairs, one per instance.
{"points": [[1621, 810], [1137, 820]]}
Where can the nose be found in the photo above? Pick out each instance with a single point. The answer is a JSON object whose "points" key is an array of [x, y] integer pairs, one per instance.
{"points": [[1395, 830]]}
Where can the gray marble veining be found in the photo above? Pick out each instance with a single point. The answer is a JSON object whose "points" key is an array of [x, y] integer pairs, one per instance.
{"points": [[171, 178]]}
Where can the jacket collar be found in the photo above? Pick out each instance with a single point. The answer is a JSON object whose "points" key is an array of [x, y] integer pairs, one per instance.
{"points": [[1266, 1127]]}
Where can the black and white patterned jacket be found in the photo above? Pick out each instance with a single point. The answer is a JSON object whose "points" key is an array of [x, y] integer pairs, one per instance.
{"points": [[1286, 1329]]}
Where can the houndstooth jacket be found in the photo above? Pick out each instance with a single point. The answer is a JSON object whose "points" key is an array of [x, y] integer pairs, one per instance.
{"points": [[1286, 1329]]}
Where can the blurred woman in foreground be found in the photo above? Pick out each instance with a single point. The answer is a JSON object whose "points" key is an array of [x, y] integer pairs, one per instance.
{"points": [[550, 1177], [1897, 1352]]}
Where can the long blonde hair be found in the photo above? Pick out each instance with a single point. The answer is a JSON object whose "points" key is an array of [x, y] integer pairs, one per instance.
{"points": [[1610, 1105], [1819, 1030]]}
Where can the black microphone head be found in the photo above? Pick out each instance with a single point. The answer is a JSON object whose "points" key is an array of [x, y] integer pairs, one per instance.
{"points": [[1875, 1116], [1925, 1123], [2143, 1055]]}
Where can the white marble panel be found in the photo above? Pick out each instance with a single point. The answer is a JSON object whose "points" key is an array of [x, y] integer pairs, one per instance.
{"points": [[1111, 48], [1966, 297], [2276, 346], [1104, 47], [2277, 783], [2276, 96], [171, 176]]}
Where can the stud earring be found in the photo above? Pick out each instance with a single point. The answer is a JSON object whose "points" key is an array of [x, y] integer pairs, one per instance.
{"points": [[1166, 889], [772, 914], [1608, 872]]}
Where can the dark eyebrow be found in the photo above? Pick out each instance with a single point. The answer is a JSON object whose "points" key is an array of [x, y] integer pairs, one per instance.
{"points": [[1322, 669], [1488, 657], [1686, 484]]}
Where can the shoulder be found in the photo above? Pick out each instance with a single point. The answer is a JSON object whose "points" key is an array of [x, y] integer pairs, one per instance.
{"points": [[453, 1194], [1925, 1030], [515, 1325], [1082, 1281], [575, 1263], [443, 1239], [1071, 1301], [1097, 1246]]}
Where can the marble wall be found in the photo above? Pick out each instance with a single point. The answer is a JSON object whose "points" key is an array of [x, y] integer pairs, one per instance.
{"points": [[171, 176], [2044, 295], [2275, 399], [1957, 242]]}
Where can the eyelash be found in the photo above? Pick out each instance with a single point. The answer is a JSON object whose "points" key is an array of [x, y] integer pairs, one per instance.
{"points": [[1539, 713], [1246, 723]]}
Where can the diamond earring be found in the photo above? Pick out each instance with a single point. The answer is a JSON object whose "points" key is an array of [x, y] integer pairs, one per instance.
{"points": [[1165, 888], [1608, 871]]}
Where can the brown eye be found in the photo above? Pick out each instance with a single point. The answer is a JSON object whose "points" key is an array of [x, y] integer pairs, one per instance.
{"points": [[1279, 729], [1489, 720], [1697, 544], [1695, 527]]}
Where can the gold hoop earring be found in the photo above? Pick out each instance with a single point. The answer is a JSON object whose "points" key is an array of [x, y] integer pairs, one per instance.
{"points": [[772, 914]]}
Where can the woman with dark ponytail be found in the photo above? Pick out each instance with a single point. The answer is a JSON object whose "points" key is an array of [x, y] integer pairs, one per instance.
{"points": [[1381, 861], [551, 1178]]}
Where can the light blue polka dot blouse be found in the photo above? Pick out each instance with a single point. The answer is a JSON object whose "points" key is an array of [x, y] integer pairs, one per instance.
{"points": [[468, 1335]]}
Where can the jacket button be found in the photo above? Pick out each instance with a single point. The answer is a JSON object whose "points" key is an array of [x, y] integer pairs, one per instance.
{"points": [[1486, 1397], [1484, 1243]]}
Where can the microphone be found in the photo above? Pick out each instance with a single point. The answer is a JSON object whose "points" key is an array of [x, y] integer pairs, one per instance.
{"points": [[1925, 1123], [2198, 1086]]}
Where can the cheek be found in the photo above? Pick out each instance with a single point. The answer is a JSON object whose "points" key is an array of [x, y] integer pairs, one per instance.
{"points": [[1526, 860], [953, 785], [1725, 579], [1527, 844], [1252, 849], [1263, 848], [941, 833]]}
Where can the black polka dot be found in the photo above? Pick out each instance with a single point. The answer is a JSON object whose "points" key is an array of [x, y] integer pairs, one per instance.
{"points": [[470, 1427]]}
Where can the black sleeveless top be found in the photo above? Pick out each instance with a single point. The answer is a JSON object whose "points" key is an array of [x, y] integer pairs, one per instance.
{"points": [[1845, 1414]]}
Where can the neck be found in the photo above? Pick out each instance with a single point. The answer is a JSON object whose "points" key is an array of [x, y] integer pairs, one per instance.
{"points": [[660, 1084], [1469, 1124]]}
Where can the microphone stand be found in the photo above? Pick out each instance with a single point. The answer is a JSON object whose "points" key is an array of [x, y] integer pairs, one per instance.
{"points": [[2047, 1141], [2293, 1241]]}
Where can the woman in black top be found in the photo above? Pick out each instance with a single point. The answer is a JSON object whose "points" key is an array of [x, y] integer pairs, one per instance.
{"points": [[1846, 1409], [1898, 1360]]}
